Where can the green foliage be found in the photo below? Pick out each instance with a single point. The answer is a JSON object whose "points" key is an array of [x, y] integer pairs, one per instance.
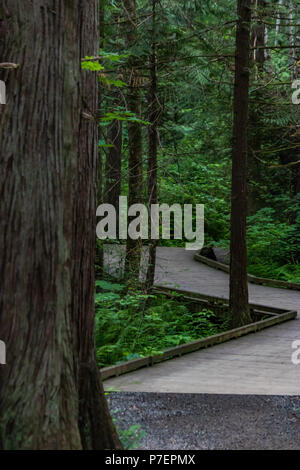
{"points": [[131, 437], [195, 44], [91, 65], [273, 247], [121, 115], [130, 324], [267, 237]]}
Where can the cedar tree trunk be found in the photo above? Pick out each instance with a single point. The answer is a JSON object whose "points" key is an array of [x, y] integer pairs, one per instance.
{"points": [[51, 396]]}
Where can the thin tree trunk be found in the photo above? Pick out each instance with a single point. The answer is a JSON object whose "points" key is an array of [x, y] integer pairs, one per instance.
{"points": [[293, 154], [256, 115], [293, 38], [238, 251], [100, 150], [99, 245], [259, 36], [113, 165], [51, 396], [135, 164], [278, 22], [113, 162], [152, 147]]}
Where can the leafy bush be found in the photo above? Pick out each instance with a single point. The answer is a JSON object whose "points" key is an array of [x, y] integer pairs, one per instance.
{"points": [[130, 324], [273, 247], [131, 437]]}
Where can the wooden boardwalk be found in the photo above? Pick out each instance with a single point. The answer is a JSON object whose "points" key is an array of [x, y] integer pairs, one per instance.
{"points": [[259, 363]]}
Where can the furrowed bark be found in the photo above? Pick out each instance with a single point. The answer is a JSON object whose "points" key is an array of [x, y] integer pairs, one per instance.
{"points": [[51, 396]]}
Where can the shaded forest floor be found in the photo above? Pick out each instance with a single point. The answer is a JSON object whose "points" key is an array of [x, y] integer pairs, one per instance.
{"points": [[208, 422]]}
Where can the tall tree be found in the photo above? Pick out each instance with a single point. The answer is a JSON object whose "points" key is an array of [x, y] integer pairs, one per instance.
{"points": [[135, 163], [153, 110], [259, 34], [291, 155], [113, 164], [100, 172], [256, 115], [51, 396], [238, 249], [278, 21]]}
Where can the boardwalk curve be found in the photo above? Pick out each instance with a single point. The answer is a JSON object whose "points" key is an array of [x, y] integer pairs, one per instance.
{"points": [[256, 364]]}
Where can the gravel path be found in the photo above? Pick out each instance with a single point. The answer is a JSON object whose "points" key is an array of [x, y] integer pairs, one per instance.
{"points": [[208, 422]]}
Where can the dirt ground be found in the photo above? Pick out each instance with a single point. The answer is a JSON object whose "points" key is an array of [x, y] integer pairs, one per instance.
{"points": [[210, 422]]}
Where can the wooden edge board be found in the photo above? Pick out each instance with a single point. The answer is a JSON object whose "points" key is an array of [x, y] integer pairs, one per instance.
{"points": [[212, 299], [251, 278], [135, 364]]}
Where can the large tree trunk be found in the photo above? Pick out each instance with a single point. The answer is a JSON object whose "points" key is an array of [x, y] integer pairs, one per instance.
{"points": [[238, 250], [51, 396], [135, 163]]}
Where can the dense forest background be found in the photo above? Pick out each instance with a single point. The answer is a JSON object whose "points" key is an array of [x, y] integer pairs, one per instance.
{"points": [[191, 45], [167, 73]]}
